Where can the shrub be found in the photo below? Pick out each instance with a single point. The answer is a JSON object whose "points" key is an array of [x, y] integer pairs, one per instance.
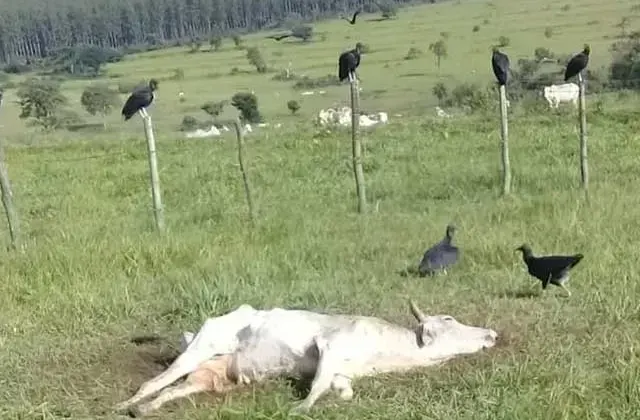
{"points": [[541, 53], [237, 41], [548, 32], [247, 104], [624, 71], [215, 43], [42, 101], [189, 123], [439, 50], [293, 106], [503, 41], [304, 32], [388, 9], [440, 91], [196, 44], [16, 68], [214, 108], [256, 59], [285, 75], [476, 28], [307, 82], [99, 99], [413, 53], [469, 96]]}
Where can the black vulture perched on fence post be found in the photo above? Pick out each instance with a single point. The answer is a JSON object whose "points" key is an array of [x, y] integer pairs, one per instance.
{"points": [[348, 62], [500, 64], [577, 63], [575, 66], [552, 269], [139, 100]]}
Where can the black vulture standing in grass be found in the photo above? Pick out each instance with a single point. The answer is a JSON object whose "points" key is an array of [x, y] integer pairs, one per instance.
{"points": [[500, 64], [353, 19], [440, 256], [139, 100], [577, 63], [348, 62], [552, 269]]}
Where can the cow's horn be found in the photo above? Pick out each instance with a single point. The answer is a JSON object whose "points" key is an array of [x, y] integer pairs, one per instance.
{"points": [[416, 311]]}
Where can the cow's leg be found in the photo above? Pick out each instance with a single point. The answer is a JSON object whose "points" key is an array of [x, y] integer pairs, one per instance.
{"points": [[217, 336], [210, 376], [185, 339], [327, 374], [342, 384]]}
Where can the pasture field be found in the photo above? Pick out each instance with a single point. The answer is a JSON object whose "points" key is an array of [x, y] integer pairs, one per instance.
{"points": [[94, 273]]}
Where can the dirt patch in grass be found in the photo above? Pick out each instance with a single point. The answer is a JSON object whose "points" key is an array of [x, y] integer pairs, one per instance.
{"points": [[142, 358]]}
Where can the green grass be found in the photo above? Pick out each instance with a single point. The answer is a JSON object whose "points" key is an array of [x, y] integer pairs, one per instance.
{"points": [[94, 273]]}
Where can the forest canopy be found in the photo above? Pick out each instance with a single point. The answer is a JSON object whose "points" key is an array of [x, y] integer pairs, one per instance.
{"points": [[36, 28]]}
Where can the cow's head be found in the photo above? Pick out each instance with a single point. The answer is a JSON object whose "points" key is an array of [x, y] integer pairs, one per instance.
{"points": [[448, 337]]}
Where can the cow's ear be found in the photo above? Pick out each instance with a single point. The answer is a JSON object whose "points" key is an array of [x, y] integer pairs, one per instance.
{"points": [[425, 335]]}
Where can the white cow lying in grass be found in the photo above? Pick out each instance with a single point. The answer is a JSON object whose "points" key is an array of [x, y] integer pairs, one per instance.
{"points": [[566, 92], [248, 345]]}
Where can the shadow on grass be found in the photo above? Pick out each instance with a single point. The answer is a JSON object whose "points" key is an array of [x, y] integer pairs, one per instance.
{"points": [[413, 75], [409, 271], [519, 294]]}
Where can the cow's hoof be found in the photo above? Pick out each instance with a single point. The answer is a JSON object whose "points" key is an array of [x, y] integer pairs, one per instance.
{"points": [[299, 409], [135, 412]]}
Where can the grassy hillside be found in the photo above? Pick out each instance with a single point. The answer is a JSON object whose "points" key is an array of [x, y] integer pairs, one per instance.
{"points": [[389, 82], [94, 273]]}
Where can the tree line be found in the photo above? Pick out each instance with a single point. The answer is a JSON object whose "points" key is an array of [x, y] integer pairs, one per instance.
{"points": [[34, 28]]}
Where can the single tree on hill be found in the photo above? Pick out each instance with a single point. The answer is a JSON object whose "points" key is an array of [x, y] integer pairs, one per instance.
{"points": [[439, 50]]}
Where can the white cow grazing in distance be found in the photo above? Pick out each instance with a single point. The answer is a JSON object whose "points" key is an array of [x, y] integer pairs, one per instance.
{"points": [[566, 92], [248, 345]]}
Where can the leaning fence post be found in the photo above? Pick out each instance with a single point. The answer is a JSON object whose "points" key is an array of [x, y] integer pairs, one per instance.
{"points": [[245, 177], [582, 114], [7, 197]]}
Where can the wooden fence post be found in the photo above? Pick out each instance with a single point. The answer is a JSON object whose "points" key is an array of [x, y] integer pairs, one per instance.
{"points": [[245, 177], [7, 197], [158, 211], [357, 146], [582, 114], [504, 132]]}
